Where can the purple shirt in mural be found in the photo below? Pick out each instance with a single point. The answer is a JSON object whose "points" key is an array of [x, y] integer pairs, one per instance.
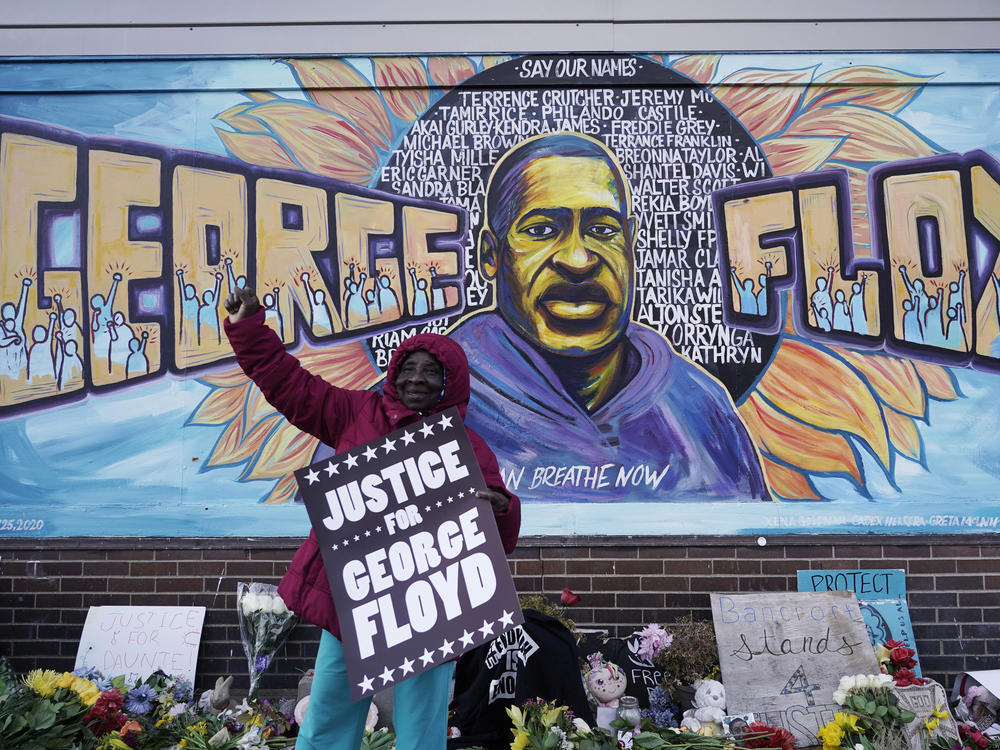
{"points": [[670, 433]]}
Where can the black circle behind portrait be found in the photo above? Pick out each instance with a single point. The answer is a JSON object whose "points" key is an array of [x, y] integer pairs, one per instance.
{"points": [[676, 143]]}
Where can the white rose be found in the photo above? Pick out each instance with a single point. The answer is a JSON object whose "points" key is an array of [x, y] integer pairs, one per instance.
{"points": [[839, 696], [846, 684], [251, 603], [279, 605], [580, 726]]}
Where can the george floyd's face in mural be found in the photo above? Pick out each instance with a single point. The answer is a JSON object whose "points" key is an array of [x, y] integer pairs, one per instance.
{"points": [[564, 264]]}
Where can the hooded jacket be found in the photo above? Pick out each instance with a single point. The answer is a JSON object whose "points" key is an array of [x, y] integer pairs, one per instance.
{"points": [[344, 419]]}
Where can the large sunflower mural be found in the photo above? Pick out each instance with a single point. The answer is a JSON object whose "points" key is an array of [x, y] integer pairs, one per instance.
{"points": [[814, 411]]}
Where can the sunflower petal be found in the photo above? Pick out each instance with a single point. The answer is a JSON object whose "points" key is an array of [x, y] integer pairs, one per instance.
{"points": [[938, 381], [283, 491], [869, 86], [321, 141], [334, 85], [821, 390], [700, 68], [894, 380], [287, 449], [220, 406], [232, 446], [226, 379], [798, 444], [873, 136], [254, 440], [234, 118], [763, 100], [491, 61], [346, 366], [904, 434], [256, 148], [257, 95], [404, 85], [787, 483], [450, 70], [796, 155]]}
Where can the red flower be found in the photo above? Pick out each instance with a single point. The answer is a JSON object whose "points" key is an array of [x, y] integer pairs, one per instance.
{"points": [[903, 677], [903, 657], [890, 644], [969, 734], [759, 734], [105, 715], [569, 598]]}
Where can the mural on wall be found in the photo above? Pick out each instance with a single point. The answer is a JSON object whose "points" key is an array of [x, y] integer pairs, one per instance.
{"points": [[699, 293]]}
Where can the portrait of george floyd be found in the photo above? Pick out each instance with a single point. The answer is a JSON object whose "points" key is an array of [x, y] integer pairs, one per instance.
{"points": [[564, 381]]}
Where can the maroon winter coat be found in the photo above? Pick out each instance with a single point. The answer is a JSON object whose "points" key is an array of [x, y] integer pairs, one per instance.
{"points": [[344, 419]]}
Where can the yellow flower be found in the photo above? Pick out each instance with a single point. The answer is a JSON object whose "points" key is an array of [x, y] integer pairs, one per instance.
{"points": [[87, 690], [516, 716], [182, 744], [882, 654], [831, 734], [939, 712], [520, 741], [42, 681], [549, 715], [931, 724], [846, 721], [65, 680]]}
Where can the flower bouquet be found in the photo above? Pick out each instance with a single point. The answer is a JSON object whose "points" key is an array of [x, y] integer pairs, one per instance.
{"points": [[690, 654], [265, 623], [896, 658], [969, 738], [872, 718]]}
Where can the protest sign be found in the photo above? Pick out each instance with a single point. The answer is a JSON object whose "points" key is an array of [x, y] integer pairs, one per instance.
{"points": [[414, 560], [882, 596], [783, 654], [136, 641]]}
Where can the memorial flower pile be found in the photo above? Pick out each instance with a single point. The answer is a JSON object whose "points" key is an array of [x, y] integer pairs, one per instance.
{"points": [[969, 738], [871, 719], [761, 735], [49, 710], [691, 655], [896, 658], [265, 623]]}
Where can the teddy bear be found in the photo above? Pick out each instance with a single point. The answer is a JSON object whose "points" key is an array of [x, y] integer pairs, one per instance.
{"points": [[709, 708], [605, 683]]}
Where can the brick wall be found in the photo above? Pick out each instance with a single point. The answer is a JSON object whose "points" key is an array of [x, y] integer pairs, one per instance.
{"points": [[46, 586]]}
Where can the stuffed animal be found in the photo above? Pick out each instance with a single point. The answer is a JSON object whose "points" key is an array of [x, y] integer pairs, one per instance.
{"points": [[605, 683], [709, 708], [218, 699]]}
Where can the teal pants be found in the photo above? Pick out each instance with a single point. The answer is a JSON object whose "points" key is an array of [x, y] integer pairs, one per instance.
{"points": [[334, 722]]}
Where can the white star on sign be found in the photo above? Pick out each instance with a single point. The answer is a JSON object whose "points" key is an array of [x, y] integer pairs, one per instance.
{"points": [[427, 509], [451, 499], [445, 422], [467, 638], [446, 647], [406, 667], [427, 429], [439, 503], [386, 675], [357, 538], [507, 619], [312, 476], [345, 543], [486, 629], [366, 685], [352, 461], [331, 469], [389, 446], [368, 532], [427, 657], [336, 547], [408, 438], [472, 490], [370, 452]]}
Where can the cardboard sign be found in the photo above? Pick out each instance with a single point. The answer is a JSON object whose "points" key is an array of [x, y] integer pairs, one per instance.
{"points": [[783, 654], [414, 560], [882, 596], [136, 641]]}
